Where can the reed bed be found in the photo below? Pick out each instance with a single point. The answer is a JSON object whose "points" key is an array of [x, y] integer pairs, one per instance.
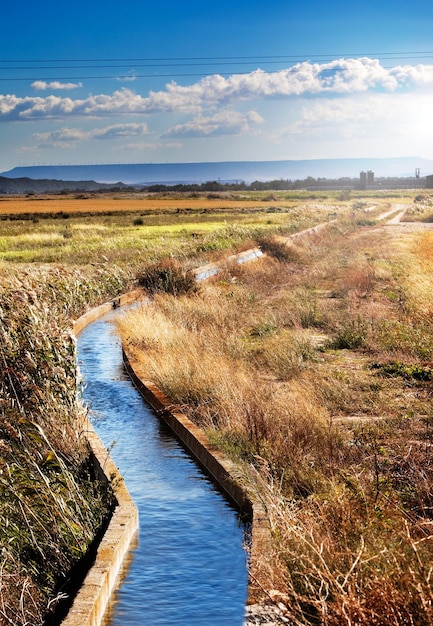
{"points": [[313, 371], [51, 505]]}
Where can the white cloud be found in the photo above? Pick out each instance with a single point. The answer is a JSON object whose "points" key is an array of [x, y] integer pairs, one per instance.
{"points": [[336, 78], [226, 122], [65, 137], [123, 101], [68, 137], [127, 78], [117, 131], [43, 86], [395, 122]]}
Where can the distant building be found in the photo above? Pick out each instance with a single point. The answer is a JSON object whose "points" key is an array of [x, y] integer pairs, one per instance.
{"points": [[366, 179], [429, 181]]}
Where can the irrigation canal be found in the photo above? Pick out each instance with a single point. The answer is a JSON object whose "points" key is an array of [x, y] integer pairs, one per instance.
{"points": [[189, 567]]}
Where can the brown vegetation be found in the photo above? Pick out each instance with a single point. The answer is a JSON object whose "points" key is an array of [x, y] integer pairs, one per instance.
{"points": [[312, 368], [51, 506], [315, 371]]}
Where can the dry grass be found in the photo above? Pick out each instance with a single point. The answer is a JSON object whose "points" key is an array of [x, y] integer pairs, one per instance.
{"points": [[339, 430], [273, 359], [51, 507]]}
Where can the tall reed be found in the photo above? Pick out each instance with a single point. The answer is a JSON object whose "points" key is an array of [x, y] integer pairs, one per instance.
{"points": [[51, 506]]}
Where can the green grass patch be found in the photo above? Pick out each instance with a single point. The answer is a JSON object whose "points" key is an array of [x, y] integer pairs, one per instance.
{"points": [[118, 239]]}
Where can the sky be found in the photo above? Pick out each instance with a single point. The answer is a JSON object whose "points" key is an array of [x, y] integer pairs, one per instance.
{"points": [[156, 81]]}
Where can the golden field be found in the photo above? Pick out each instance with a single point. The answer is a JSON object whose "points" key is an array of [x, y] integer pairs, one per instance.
{"points": [[56, 204]]}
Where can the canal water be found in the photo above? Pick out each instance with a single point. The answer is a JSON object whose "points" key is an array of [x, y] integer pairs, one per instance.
{"points": [[189, 567]]}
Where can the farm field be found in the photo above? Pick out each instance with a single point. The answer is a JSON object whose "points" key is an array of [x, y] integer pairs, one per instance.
{"points": [[130, 231], [86, 204]]}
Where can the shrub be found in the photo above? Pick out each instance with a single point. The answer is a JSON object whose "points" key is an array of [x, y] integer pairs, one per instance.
{"points": [[167, 276], [351, 334], [283, 252], [412, 371]]}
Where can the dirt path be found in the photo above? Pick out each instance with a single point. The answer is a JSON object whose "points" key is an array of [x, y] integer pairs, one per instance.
{"points": [[397, 210]]}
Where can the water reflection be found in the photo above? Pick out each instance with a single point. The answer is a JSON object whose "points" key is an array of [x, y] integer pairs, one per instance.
{"points": [[189, 566]]}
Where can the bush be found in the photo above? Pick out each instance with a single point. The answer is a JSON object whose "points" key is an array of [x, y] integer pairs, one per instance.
{"points": [[281, 251], [351, 334], [169, 277]]}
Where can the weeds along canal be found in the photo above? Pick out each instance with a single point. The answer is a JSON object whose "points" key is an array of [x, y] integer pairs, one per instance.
{"points": [[189, 566]]}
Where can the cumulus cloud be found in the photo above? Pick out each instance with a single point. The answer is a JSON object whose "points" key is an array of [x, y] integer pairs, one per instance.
{"points": [[68, 137], [117, 131], [347, 117], [339, 78], [64, 137], [226, 122], [43, 86], [369, 115], [123, 101]]}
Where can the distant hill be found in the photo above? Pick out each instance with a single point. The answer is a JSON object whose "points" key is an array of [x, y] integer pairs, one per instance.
{"points": [[29, 185], [224, 171]]}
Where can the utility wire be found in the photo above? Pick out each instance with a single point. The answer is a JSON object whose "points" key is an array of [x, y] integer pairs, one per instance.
{"points": [[179, 62], [400, 54], [195, 64]]}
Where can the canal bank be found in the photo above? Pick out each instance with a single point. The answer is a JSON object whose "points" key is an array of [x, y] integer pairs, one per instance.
{"points": [[223, 472], [218, 586], [93, 597]]}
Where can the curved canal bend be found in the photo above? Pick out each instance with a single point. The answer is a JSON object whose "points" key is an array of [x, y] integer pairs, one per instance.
{"points": [[189, 567]]}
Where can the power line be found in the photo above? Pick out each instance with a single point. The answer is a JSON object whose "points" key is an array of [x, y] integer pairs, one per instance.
{"points": [[74, 67], [398, 53], [178, 62], [118, 76], [195, 64], [130, 77]]}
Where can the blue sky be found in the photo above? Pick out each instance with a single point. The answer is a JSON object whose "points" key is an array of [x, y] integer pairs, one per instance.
{"points": [[169, 81]]}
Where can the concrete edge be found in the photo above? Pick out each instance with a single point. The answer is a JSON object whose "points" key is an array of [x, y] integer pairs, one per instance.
{"points": [[91, 602], [223, 473], [211, 269]]}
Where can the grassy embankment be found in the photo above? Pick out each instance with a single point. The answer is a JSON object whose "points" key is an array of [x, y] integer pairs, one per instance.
{"points": [[313, 368], [53, 265]]}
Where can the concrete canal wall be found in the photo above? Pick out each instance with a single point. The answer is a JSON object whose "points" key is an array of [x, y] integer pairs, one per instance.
{"points": [[91, 601], [221, 470]]}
